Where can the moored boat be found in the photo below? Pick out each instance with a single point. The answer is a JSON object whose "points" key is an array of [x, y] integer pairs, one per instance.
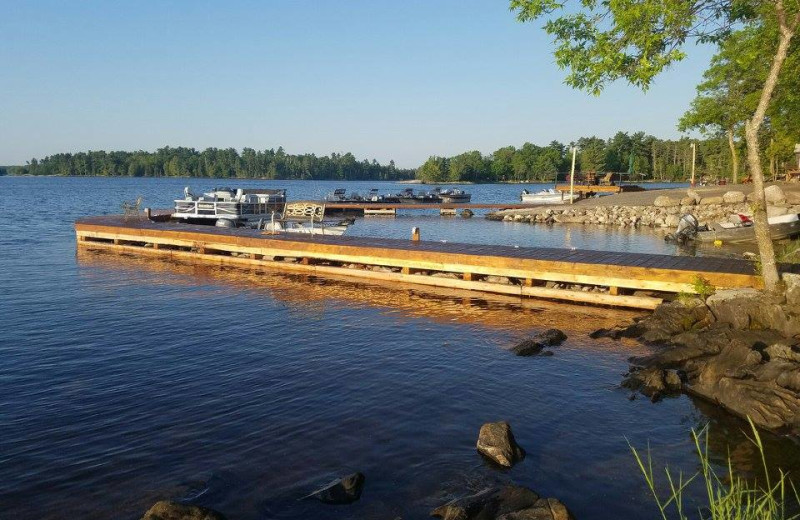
{"points": [[228, 206], [454, 195], [742, 230], [549, 196]]}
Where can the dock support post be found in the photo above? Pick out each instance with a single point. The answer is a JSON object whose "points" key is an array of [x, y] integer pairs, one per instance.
{"points": [[405, 270], [528, 282], [117, 241], [613, 291], [467, 277], [415, 234], [155, 245], [305, 260]]}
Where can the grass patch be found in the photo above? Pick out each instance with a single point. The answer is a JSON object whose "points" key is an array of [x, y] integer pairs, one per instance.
{"points": [[729, 496]]}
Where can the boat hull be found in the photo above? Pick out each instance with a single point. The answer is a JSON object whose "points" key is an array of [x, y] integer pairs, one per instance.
{"points": [[747, 234]]}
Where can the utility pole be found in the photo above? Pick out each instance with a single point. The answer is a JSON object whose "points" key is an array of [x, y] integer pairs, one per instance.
{"points": [[694, 159], [572, 177]]}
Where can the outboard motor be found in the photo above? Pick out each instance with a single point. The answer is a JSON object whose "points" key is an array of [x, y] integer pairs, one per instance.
{"points": [[687, 229]]}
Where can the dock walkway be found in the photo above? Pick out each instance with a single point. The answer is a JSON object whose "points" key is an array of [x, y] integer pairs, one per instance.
{"points": [[582, 276]]}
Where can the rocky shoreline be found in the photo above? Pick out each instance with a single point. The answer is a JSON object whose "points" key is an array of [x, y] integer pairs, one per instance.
{"points": [[660, 211], [738, 349]]}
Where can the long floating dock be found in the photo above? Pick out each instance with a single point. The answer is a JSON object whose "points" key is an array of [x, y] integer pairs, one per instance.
{"points": [[390, 208], [578, 276]]}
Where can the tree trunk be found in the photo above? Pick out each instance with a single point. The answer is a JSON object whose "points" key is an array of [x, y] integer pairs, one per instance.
{"points": [[769, 268], [734, 158]]}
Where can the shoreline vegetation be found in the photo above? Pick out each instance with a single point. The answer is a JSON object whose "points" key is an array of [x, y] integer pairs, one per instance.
{"points": [[645, 157]]}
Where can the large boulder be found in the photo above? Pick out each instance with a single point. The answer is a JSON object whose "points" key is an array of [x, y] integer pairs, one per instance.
{"points": [[792, 282], [708, 201], [496, 441], [662, 201], [749, 309], [169, 510], [733, 197], [774, 195], [694, 195], [537, 343], [344, 490]]}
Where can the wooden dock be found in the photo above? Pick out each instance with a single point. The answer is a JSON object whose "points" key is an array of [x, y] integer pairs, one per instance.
{"points": [[578, 276], [390, 208], [591, 189]]}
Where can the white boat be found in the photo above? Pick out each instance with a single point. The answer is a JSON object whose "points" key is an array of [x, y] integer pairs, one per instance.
{"points": [[549, 196], [228, 207], [299, 227], [305, 217]]}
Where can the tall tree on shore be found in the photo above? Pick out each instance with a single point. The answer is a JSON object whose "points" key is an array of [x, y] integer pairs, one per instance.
{"points": [[635, 40]]}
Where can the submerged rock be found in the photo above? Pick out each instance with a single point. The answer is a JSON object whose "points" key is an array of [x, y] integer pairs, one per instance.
{"points": [[169, 510], [345, 490], [467, 213], [496, 442], [537, 343], [508, 503], [543, 509]]}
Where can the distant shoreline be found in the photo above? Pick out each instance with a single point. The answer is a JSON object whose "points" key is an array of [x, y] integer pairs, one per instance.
{"points": [[237, 179]]}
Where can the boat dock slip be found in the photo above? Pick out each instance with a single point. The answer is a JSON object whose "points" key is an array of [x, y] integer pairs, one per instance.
{"points": [[390, 208], [579, 276]]}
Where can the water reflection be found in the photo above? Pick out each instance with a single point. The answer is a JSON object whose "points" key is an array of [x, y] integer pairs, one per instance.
{"points": [[307, 294]]}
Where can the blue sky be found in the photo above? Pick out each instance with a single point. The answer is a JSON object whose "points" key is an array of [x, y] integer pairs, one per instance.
{"points": [[385, 80]]}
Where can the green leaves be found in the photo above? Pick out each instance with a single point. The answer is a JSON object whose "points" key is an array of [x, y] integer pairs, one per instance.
{"points": [[632, 40]]}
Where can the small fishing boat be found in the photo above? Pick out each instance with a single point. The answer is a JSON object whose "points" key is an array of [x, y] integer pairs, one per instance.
{"points": [[228, 207], [454, 195], [340, 195], [408, 196], [305, 217], [549, 196], [741, 230], [375, 196], [303, 228]]}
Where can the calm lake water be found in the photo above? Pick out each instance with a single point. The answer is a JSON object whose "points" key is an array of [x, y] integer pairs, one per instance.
{"points": [[124, 381]]}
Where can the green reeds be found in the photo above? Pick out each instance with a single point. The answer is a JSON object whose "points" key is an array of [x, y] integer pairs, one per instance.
{"points": [[730, 496]]}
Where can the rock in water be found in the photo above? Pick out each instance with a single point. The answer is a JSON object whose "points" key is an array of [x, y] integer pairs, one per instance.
{"points": [[543, 509], [508, 503], [341, 491], [488, 503], [496, 441], [168, 510], [534, 345], [467, 213]]}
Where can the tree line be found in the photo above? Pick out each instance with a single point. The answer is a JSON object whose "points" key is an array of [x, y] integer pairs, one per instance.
{"points": [[643, 156], [213, 162]]}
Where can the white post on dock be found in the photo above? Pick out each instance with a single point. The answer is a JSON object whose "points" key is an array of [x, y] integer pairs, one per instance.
{"points": [[415, 234], [694, 156], [572, 177]]}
